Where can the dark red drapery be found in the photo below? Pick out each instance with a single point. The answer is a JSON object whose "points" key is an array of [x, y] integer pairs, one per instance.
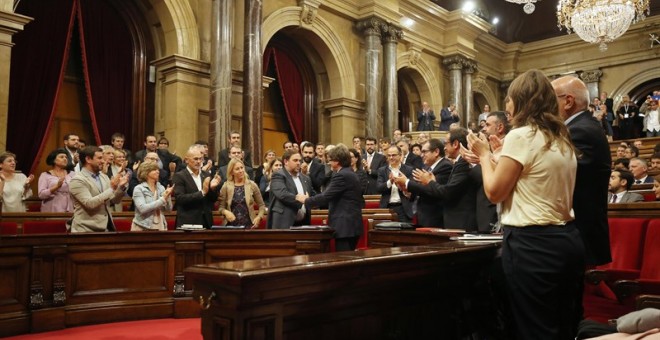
{"points": [[107, 53], [291, 86], [38, 61]]}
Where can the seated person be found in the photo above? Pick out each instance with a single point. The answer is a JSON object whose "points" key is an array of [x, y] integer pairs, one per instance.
{"points": [[238, 196], [655, 162], [621, 163], [640, 170], [656, 187], [620, 183], [631, 152]]}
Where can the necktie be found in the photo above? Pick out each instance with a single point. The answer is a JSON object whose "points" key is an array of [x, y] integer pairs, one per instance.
{"points": [[98, 181], [614, 198]]}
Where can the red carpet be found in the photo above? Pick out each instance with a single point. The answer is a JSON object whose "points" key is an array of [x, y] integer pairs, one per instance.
{"points": [[160, 329]]}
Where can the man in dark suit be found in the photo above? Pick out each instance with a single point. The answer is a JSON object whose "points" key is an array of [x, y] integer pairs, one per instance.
{"points": [[593, 170], [195, 192], [233, 139], [71, 145], [235, 152], [284, 210], [344, 199], [393, 196], [448, 115], [640, 170], [408, 158], [371, 162], [425, 118], [312, 167], [167, 162], [429, 208]]}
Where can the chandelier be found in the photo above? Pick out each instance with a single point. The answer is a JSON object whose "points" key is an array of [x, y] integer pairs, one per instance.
{"points": [[529, 5], [600, 21]]}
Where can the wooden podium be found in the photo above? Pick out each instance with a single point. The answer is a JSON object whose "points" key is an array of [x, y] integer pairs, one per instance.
{"points": [[413, 292]]}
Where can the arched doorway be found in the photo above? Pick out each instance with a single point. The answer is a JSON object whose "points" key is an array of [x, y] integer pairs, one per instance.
{"points": [[92, 82]]}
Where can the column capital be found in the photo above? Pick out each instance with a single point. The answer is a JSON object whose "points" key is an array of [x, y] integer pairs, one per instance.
{"points": [[591, 76], [371, 26], [469, 66], [454, 62], [391, 33]]}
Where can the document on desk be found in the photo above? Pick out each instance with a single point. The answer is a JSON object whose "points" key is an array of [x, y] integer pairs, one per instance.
{"points": [[477, 238], [309, 227]]}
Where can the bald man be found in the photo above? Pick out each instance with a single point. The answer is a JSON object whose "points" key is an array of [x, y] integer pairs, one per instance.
{"points": [[593, 172], [425, 118]]}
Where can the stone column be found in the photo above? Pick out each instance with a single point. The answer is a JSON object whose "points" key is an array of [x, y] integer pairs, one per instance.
{"points": [[220, 77], [591, 78], [455, 65], [391, 35], [252, 83], [371, 28], [10, 23], [469, 68]]}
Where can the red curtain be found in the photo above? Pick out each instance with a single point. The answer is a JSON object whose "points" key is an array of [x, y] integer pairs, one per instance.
{"points": [[291, 86], [107, 53], [38, 60]]}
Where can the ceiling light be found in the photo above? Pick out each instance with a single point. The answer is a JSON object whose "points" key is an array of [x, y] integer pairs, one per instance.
{"points": [[529, 5], [469, 6]]}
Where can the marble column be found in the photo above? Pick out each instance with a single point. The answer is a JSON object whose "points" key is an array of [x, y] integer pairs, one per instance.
{"points": [[468, 69], [372, 28], [252, 129], [591, 79], [455, 65], [220, 77], [391, 36], [10, 23]]}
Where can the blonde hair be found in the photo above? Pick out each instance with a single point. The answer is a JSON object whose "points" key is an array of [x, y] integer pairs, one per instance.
{"points": [[230, 169]]}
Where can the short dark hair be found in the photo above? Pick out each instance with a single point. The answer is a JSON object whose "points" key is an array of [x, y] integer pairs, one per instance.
{"points": [[88, 151], [288, 153], [164, 140], [233, 132], [385, 140], [340, 154], [117, 135], [623, 161], [627, 175], [655, 155], [436, 144], [285, 143], [147, 136], [501, 118], [68, 135], [634, 150], [307, 145], [371, 139], [459, 135], [50, 160], [416, 145]]}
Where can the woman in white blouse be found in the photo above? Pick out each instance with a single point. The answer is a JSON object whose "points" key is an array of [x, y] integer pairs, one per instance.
{"points": [[14, 187]]}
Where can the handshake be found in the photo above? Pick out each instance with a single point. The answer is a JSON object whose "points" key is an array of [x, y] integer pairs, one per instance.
{"points": [[301, 198]]}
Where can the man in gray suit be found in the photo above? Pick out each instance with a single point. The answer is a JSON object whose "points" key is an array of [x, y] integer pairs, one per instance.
{"points": [[93, 193], [286, 184], [620, 183]]}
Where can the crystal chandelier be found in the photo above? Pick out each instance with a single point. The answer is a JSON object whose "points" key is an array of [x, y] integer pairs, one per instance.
{"points": [[600, 21], [529, 5]]}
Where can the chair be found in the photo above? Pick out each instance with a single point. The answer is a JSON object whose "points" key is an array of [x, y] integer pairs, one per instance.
{"points": [[122, 224], [45, 227], [8, 228]]}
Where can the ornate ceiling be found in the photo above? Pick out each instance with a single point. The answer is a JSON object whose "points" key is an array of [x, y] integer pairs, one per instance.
{"points": [[514, 25]]}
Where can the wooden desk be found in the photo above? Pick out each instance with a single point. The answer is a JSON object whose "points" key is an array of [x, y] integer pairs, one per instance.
{"points": [[54, 281], [409, 292]]}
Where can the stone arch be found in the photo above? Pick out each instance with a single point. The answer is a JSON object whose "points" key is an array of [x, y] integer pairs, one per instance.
{"points": [[330, 48], [178, 33], [423, 77], [629, 84], [479, 85]]}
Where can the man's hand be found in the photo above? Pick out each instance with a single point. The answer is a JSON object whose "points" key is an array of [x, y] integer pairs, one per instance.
{"points": [[172, 167], [301, 198], [215, 181], [205, 185], [400, 180], [423, 176], [206, 167], [304, 168]]}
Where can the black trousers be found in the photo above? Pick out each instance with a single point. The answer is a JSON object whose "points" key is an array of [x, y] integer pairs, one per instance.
{"points": [[346, 243], [543, 268]]}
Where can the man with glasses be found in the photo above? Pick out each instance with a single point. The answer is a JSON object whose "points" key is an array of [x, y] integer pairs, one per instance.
{"points": [[195, 192], [393, 196], [429, 208]]}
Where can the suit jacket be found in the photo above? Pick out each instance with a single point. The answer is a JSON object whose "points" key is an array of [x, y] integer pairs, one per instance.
{"points": [[414, 161], [591, 182], [166, 158], [192, 207], [283, 206], [91, 206], [429, 208], [458, 197], [425, 122], [647, 180], [316, 173], [345, 203], [386, 193], [486, 210], [223, 158], [252, 197], [446, 119], [377, 162], [628, 197]]}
